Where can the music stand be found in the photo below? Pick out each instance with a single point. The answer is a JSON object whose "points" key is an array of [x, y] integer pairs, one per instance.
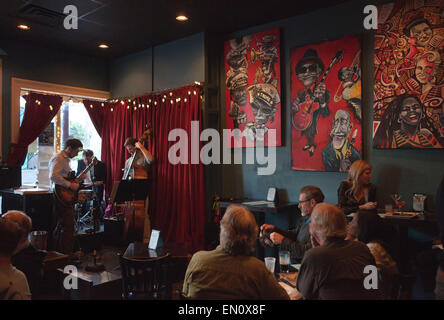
{"points": [[130, 190]]}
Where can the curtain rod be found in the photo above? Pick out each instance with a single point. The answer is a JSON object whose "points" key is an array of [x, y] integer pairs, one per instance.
{"points": [[161, 91], [74, 96]]}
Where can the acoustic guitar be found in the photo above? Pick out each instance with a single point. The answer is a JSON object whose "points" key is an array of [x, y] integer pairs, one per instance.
{"points": [[67, 196], [302, 119]]}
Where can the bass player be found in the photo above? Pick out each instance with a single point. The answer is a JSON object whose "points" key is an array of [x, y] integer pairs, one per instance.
{"points": [[139, 170]]}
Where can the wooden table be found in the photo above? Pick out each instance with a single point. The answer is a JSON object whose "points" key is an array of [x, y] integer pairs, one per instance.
{"points": [[288, 282], [426, 222], [94, 285], [259, 209], [180, 257], [55, 260]]}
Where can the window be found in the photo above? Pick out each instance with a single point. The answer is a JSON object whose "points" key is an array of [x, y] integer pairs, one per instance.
{"points": [[72, 121]]}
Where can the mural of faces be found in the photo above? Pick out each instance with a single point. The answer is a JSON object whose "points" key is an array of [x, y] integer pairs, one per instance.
{"points": [[263, 112], [308, 73], [341, 129], [422, 33], [240, 96], [410, 112]]}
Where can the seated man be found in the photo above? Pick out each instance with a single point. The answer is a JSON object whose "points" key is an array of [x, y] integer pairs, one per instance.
{"points": [[334, 267], [229, 271], [95, 177], [13, 283], [26, 257], [296, 240]]}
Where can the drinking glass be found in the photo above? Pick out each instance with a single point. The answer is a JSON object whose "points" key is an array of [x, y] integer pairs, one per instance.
{"points": [[396, 198], [270, 262], [388, 208], [284, 261], [418, 202]]}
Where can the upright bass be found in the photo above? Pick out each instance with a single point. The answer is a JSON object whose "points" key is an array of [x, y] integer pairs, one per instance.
{"points": [[135, 211]]}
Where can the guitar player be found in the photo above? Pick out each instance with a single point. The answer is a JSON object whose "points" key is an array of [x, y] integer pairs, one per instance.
{"points": [[59, 170], [308, 71]]}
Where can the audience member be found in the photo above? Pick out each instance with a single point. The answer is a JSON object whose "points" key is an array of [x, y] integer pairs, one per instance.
{"points": [[296, 240], [368, 228], [334, 267], [357, 193], [229, 271], [26, 257], [13, 283]]}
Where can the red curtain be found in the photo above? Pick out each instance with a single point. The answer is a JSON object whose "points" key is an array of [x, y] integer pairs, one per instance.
{"points": [[177, 195], [39, 111], [96, 111]]}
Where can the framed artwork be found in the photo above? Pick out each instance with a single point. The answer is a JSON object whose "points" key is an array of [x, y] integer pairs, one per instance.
{"points": [[253, 88], [408, 76], [325, 105]]}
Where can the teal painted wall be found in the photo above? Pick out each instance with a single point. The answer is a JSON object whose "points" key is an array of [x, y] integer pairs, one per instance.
{"points": [[402, 171], [170, 65]]}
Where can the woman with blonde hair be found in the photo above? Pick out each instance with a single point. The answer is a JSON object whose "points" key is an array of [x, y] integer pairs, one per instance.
{"points": [[357, 193]]}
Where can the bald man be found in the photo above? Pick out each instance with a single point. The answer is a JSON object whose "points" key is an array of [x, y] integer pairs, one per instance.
{"points": [[26, 257], [334, 268], [230, 272]]}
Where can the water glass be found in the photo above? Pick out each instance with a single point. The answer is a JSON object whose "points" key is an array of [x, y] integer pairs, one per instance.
{"points": [[388, 208], [284, 260], [270, 262], [39, 239]]}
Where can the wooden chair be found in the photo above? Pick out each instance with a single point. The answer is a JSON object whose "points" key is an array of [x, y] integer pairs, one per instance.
{"points": [[146, 279]]}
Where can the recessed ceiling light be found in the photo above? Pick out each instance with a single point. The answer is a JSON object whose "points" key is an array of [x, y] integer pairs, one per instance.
{"points": [[23, 27], [103, 46], [181, 18]]}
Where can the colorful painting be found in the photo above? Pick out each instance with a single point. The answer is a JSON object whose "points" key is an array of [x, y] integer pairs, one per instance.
{"points": [[408, 88], [253, 88], [326, 111]]}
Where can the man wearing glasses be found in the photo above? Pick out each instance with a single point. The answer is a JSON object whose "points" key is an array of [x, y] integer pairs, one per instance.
{"points": [[296, 240]]}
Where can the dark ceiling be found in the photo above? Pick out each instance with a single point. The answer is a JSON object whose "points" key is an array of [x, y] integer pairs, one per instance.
{"points": [[129, 26]]}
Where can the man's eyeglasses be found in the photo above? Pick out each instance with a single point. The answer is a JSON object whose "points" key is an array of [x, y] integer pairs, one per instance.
{"points": [[302, 201], [305, 69]]}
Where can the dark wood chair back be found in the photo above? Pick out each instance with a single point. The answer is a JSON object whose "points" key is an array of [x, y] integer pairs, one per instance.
{"points": [[146, 279]]}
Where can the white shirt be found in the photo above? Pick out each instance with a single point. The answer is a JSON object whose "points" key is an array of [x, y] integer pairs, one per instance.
{"points": [[59, 169], [13, 284]]}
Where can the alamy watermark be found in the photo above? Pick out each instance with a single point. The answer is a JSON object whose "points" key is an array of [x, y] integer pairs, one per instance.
{"points": [[71, 20], [371, 281], [210, 153], [71, 280], [371, 20]]}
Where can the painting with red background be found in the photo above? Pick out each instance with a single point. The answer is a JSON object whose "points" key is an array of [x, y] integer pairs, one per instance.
{"points": [[303, 159], [251, 54]]}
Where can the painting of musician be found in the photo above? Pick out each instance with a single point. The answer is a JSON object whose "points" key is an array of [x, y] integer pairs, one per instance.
{"points": [[313, 98], [326, 77], [405, 125], [408, 61], [340, 153], [252, 79]]}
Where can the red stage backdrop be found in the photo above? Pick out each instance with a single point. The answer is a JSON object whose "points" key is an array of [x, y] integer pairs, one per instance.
{"points": [[253, 87], [325, 105], [409, 91]]}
